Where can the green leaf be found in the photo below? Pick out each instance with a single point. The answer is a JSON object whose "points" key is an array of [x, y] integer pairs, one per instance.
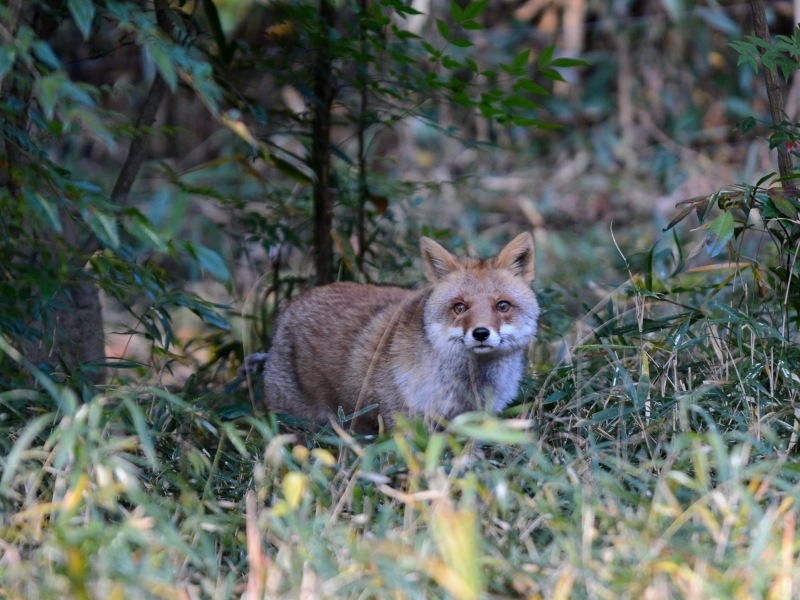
{"points": [[75, 92], [526, 122], [140, 423], [431, 50], [461, 42], [46, 207], [463, 99], [236, 440], [203, 311], [104, 226], [681, 261], [449, 63], [433, 453], [16, 455], [546, 56], [473, 66], [768, 175], [643, 386], [480, 426], [533, 88], [552, 74], [720, 232], [164, 64], [507, 68], [518, 102], [45, 54], [456, 12], [7, 57], [475, 9], [648, 268], [212, 262], [83, 13], [444, 30], [144, 231], [769, 211], [784, 205], [570, 62], [759, 42], [472, 25], [521, 59], [287, 168], [680, 216]]}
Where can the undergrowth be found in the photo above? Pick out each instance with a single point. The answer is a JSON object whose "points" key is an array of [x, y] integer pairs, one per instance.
{"points": [[652, 454]]}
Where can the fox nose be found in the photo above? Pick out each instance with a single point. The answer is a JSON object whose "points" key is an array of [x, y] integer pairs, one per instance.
{"points": [[481, 334]]}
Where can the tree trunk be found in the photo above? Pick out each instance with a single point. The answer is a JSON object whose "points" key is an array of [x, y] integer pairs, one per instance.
{"points": [[363, 187], [321, 146], [774, 94]]}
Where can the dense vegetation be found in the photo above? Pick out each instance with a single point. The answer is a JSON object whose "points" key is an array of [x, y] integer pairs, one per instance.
{"points": [[173, 172]]}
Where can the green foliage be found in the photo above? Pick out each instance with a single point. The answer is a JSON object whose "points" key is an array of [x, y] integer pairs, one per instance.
{"points": [[59, 228]]}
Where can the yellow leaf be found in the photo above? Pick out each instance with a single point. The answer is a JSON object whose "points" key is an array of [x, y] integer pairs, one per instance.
{"points": [[564, 585], [457, 539], [300, 453], [73, 496], [323, 456], [294, 485]]}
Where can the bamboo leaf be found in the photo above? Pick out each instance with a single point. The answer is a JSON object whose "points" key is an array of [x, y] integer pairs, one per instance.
{"points": [[720, 232]]}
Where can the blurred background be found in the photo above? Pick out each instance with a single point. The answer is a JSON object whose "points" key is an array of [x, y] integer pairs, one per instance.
{"points": [[590, 152]]}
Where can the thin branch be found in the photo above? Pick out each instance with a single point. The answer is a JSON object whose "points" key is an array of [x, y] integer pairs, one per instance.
{"points": [[155, 96], [101, 54], [133, 161]]}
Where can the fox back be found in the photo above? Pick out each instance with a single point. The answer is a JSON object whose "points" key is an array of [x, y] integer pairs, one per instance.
{"points": [[457, 344]]}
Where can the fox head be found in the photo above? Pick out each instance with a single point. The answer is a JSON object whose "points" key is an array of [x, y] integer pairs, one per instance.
{"points": [[481, 306]]}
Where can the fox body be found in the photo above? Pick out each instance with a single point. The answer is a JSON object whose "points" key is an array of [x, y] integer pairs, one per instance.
{"points": [[455, 345]]}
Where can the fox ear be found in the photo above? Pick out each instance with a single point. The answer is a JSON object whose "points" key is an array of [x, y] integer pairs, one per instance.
{"points": [[438, 261], [519, 257]]}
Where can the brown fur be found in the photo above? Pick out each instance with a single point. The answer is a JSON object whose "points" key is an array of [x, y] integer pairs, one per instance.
{"points": [[350, 345]]}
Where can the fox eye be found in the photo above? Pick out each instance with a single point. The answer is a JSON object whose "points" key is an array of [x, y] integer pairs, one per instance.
{"points": [[459, 307], [503, 306]]}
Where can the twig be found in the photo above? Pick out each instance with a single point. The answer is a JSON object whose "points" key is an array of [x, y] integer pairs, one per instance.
{"points": [[133, 162], [101, 54], [146, 119]]}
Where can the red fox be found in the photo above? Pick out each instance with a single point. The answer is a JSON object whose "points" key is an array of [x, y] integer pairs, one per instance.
{"points": [[455, 345]]}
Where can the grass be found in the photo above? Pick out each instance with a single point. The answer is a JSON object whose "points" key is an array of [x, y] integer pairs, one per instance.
{"points": [[652, 455]]}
